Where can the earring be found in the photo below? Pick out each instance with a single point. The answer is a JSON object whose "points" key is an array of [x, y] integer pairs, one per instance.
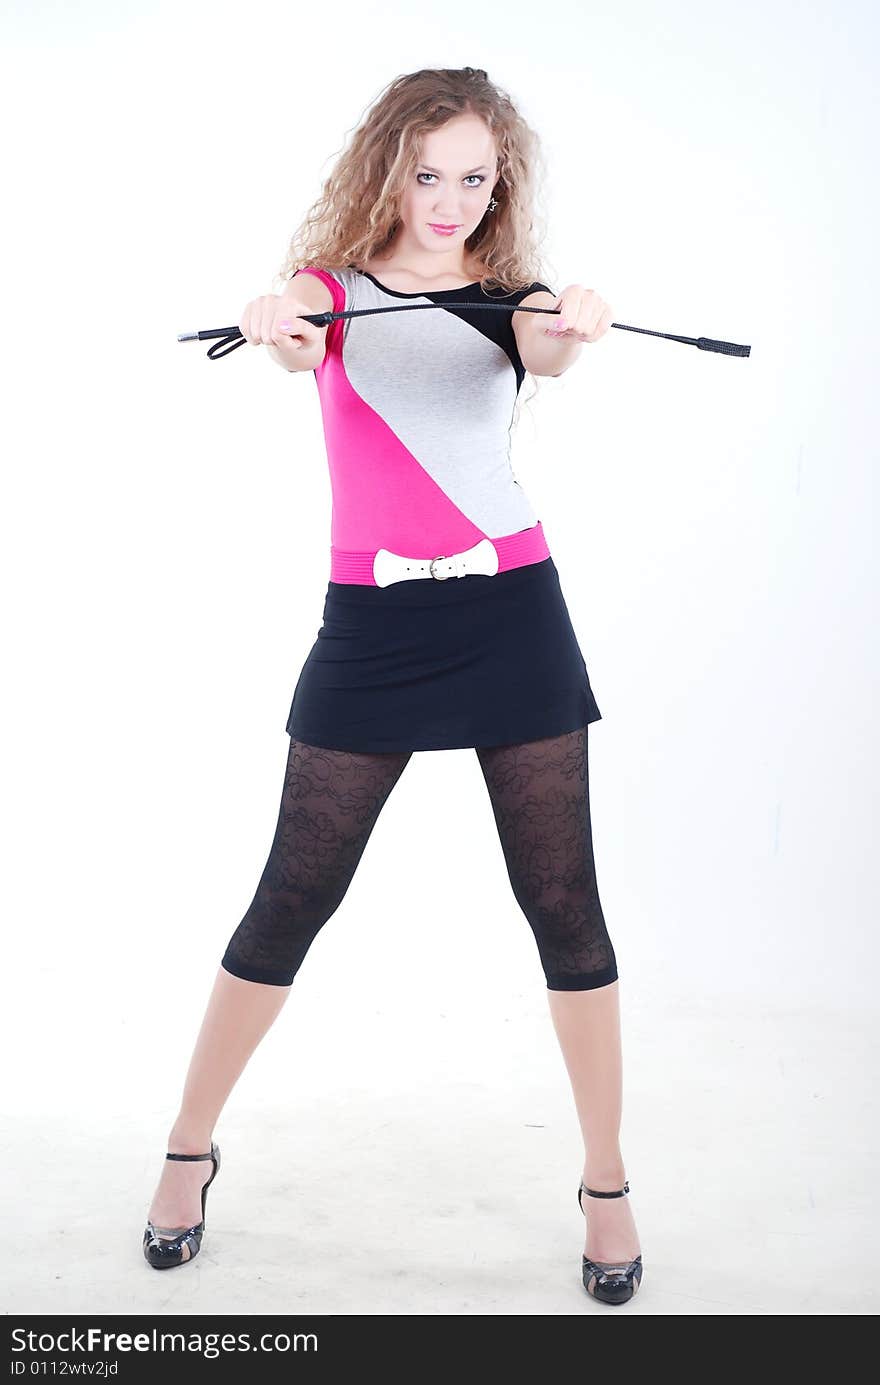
{"points": [[492, 205]]}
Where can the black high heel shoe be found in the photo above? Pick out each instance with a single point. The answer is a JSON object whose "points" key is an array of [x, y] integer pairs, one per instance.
{"points": [[163, 1245], [607, 1280]]}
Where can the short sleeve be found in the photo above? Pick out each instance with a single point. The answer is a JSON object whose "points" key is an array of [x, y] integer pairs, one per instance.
{"points": [[535, 287], [334, 284]]}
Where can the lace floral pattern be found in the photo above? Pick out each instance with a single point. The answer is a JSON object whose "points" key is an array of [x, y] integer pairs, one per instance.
{"points": [[329, 806], [540, 797], [331, 800]]}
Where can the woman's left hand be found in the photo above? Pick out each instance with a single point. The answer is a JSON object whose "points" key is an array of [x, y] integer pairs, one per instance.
{"points": [[583, 315]]}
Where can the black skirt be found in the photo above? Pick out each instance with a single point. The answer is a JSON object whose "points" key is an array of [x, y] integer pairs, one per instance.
{"points": [[442, 665]]}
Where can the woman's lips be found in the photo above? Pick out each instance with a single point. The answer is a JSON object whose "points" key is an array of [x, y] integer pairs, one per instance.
{"points": [[443, 230]]}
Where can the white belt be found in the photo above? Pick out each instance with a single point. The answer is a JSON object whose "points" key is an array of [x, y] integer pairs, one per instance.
{"points": [[391, 567]]}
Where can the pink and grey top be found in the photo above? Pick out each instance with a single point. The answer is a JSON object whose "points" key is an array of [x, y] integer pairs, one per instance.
{"points": [[417, 409]]}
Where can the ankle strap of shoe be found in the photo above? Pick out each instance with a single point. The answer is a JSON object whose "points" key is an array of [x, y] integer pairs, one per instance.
{"points": [[209, 1155], [620, 1193]]}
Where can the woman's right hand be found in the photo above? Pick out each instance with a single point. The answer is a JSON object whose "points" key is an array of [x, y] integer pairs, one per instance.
{"points": [[272, 321]]}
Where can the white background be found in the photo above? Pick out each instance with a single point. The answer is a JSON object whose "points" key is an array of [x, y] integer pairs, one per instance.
{"points": [[166, 552]]}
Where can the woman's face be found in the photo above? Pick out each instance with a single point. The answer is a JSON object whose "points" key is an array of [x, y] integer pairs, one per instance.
{"points": [[452, 187]]}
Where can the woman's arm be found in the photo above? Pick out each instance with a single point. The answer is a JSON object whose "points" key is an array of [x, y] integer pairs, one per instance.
{"points": [[583, 315], [308, 289]]}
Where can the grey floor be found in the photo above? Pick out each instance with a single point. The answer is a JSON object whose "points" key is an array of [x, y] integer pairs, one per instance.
{"points": [[750, 1142]]}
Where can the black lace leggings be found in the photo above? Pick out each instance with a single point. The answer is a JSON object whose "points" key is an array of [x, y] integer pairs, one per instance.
{"points": [[541, 801]]}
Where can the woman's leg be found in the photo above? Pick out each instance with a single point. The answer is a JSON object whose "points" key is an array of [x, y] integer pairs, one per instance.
{"points": [[541, 801], [329, 806]]}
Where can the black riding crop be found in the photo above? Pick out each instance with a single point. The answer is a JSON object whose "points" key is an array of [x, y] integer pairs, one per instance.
{"points": [[232, 337]]}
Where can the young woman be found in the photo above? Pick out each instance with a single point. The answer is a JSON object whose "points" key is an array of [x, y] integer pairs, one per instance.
{"points": [[444, 624]]}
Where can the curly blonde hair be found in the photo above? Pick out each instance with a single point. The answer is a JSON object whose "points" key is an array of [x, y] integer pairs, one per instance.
{"points": [[357, 213]]}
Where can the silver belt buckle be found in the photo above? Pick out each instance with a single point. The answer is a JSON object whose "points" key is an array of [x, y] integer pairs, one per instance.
{"points": [[440, 577], [460, 565]]}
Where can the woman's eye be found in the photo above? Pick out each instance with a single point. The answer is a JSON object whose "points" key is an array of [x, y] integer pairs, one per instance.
{"points": [[479, 177]]}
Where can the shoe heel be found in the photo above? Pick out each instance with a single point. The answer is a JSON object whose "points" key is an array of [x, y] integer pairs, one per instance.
{"points": [[163, 1245], [610, 1281]]}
